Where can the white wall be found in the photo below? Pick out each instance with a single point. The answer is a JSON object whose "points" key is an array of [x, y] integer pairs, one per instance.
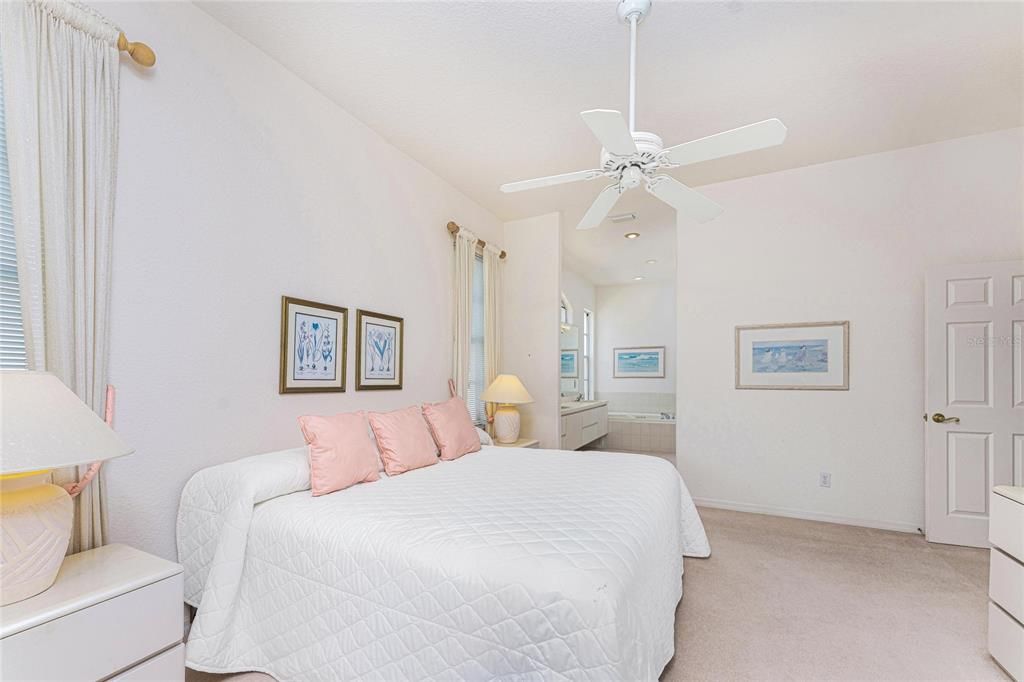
{"points": [[581, 294], [530, 343], [848, 240], [239, 183], [641, 314]]}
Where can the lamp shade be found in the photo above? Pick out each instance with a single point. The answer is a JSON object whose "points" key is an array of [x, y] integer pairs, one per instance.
{"points": [[507, 388], [44, 425]]}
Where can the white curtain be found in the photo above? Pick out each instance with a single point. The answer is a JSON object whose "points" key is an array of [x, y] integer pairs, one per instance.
{"points": [[60, 70], [462, 303], [492, 317]]}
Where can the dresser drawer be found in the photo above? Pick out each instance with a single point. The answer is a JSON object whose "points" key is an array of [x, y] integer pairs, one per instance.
{"points": [[1006, 641], [166, 667], [1006, 584], [96, 642], [1006, 526]]}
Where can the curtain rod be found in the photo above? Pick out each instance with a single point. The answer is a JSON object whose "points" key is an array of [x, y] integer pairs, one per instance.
{"points": [[141, 53], [453, 229]]}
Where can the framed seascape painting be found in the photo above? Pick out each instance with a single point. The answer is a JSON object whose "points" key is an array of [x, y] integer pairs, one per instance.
{"points": [[313, 346], [639, 362], [570, 364], [379, 351], [805, 355]]}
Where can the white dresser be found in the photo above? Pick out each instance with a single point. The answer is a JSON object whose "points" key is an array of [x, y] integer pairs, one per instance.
{"points": [[113, 613], [1006, 579]]}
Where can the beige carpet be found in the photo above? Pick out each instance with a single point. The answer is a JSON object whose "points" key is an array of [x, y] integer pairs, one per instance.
{"points": [[782, 599]]}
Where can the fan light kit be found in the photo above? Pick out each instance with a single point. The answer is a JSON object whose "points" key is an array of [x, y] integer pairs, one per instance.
{"points": [[631, 235], [631, 158]]}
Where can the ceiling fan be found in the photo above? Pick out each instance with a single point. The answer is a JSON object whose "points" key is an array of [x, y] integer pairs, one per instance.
{"points": [[630, 157]]}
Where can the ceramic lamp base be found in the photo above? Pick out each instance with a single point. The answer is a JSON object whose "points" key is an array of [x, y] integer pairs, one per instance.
{"points": [[36, 522], [506, 424]]}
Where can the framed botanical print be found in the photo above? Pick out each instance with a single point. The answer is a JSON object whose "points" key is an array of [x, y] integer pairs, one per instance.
{"points": [[639, 362], [379, 351], [314, 346], [798, 356]]}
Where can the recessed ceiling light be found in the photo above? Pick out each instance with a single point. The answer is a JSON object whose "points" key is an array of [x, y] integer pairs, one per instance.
{"points": [[637, 278], [652, 261], [631, 235]]}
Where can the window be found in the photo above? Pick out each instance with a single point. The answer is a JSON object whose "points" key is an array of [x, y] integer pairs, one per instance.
{"points": [[588, 351], [12, 337], [477, 350]]}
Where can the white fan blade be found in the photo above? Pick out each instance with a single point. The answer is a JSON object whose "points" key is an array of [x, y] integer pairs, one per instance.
{"points": [[551, 180], [685, 200], [600, 208], [736, 141], [611, 131]]}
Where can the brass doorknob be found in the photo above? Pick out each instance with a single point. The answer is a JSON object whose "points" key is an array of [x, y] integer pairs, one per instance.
{"points": [[940, 418]]}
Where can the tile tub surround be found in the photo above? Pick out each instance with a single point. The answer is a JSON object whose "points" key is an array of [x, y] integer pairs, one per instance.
{"points": [[638, 402], [624, 434]]}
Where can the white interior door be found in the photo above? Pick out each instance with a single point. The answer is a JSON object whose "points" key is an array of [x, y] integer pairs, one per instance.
{"points": [[974, 437]]}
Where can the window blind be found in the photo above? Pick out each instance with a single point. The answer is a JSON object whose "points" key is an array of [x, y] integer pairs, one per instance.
{"points": [[12, 336], [477, 350]]}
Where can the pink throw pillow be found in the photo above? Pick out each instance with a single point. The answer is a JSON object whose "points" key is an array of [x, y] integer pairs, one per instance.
{"points": [[403, 440], [341, 453], [452, 428]]}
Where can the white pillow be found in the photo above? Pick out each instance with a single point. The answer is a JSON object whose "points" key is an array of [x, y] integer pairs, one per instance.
{"points": [[484, 438]]}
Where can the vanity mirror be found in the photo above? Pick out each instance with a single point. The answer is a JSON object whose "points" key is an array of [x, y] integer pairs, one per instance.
{"points": [[569, 343]]}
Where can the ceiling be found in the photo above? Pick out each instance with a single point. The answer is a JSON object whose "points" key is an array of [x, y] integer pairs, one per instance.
{"points": [[487, 92]]}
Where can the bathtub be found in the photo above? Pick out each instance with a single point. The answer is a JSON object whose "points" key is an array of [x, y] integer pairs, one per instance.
{"points": [[647, 432], [641, 416]]}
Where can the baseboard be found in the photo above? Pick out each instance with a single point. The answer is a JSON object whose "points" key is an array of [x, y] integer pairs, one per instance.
{"points": [[806, 515]]}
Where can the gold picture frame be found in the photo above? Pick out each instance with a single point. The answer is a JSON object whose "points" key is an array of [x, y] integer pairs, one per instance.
{"points": [[311, 335], [806, 373], [376, 366]]}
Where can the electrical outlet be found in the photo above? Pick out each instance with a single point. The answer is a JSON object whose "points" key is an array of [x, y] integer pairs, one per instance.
{"points": [[825, 479]]}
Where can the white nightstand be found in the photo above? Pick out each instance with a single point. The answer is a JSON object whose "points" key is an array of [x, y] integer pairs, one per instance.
{"points": [[521, 443], [114, 612], [1006, 579]]}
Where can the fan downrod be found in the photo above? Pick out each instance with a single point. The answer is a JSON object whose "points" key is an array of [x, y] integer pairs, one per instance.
{"points": [[629, 8]]}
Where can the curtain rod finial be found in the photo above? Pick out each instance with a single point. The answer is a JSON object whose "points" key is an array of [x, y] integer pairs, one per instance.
{"points": [[453, 228], [141, 53]]}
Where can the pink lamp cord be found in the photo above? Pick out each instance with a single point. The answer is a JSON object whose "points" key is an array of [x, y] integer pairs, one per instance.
{"points": [[94, 468]]}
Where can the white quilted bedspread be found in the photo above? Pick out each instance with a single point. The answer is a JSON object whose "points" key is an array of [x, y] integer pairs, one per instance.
{"points": [[505, 564]]}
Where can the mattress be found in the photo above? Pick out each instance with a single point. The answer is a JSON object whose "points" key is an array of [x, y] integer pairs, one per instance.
{"points": [[509, 563]]}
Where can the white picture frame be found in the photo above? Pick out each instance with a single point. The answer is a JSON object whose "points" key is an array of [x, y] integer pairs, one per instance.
{"points": [[799, 356], [570, 363], [638, 362]]}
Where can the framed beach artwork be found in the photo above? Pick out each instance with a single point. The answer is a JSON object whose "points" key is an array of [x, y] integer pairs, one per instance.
{"points": [[379, 356], [570, 364], [800, 356], [639, 362], [313, 346]]}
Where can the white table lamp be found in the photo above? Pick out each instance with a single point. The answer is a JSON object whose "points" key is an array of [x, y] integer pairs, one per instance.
{"points": [[43, 426], [507, 391]]}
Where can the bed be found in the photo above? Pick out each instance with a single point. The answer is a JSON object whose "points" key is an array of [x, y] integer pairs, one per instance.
{"points": [[508, 563]]}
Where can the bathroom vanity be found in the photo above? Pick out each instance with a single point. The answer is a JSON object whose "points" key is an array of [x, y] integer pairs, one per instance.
{"points": [[583, 422]]}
